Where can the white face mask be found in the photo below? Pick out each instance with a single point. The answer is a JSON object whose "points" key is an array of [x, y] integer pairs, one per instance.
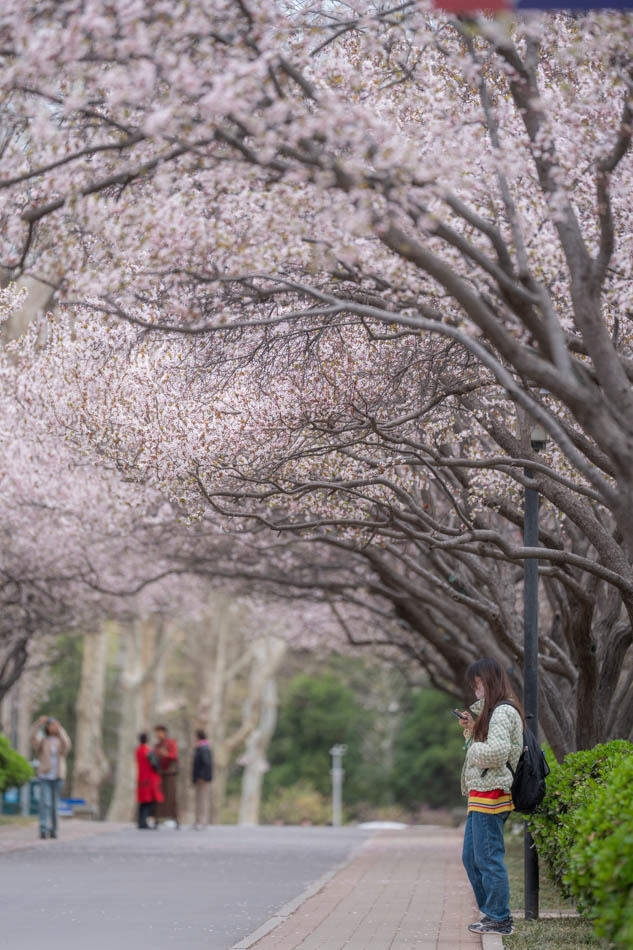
{"points": [[480, 692]]}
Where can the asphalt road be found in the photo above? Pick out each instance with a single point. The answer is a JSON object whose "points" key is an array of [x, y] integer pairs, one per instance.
{"points": [[145, 890]]}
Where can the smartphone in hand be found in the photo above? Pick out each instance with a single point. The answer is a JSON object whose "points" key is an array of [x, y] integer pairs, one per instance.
{"points": [[457, 713]]}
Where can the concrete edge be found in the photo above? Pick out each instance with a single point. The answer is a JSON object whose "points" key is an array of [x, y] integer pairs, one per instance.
{"points": [[245, 943], [492, 941], [565, 913]]}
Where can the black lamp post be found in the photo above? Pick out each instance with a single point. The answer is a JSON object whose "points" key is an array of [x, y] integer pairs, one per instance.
{"points": [[538, 439]]}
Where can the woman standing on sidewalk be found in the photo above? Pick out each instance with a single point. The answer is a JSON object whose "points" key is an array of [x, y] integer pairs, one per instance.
{"points": [[494, 739], [51, 745]]}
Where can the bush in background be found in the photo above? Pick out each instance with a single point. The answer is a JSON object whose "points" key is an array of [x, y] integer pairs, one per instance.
{"points": [[365, 811], [404, 752], [14, 768], [429, 753], [300, 804], [571, 786], [315, 713], [600, 871]]}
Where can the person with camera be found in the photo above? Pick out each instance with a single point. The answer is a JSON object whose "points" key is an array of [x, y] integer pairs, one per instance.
{"points": [[51, 745]]}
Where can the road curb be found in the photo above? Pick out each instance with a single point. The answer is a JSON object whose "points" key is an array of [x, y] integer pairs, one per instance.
{"points": [[492, 941], [245, 943]]}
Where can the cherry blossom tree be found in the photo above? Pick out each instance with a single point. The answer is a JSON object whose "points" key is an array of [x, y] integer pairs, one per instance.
{"points": [[347, 247], [303, 159], [80, 544], [390, 495]]}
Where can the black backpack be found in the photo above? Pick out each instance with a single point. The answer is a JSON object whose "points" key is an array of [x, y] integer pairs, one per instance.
{"points": [[528, 780]]}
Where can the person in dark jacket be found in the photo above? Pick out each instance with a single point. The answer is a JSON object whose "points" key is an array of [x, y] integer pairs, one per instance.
{"points": [[202, 774]]}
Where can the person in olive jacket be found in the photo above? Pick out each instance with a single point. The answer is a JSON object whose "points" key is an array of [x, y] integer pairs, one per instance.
{"points": [[202, 775]]}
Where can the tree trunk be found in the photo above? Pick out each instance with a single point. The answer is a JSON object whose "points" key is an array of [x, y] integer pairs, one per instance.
{"points": [[91, 765], [268, 654], [213, 705], [136, 673], [38, 297]]}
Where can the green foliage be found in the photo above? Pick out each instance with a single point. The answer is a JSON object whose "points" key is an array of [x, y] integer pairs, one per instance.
{"points": [[316, 713], [410, 759], [429, 753], [297, 805], [571, 786], [14, 768], [600, 872]]}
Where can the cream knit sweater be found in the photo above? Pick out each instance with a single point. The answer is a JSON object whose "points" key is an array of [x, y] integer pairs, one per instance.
{"points": [[504, 744]]}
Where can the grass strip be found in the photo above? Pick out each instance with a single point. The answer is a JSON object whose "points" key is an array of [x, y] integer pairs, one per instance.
{"points": [[559, 933], [16, 821]]}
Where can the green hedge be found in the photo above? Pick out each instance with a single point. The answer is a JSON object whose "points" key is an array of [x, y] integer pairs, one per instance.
{"points": [[584, 834], [600, 871], [14, 769], [570, 786]]}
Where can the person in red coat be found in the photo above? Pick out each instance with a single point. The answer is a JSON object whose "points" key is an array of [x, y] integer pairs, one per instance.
{"points": [[148, 786]]}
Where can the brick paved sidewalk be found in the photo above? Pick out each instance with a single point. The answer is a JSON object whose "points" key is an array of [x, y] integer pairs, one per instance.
{"points": [[405, 890], [17, 837]]}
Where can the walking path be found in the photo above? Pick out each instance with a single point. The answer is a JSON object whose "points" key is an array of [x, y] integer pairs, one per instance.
{"points": [[405, 890], [401, 890]]}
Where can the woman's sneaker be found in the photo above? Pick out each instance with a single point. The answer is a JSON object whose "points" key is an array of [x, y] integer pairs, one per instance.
{"points": [[489, 926]]}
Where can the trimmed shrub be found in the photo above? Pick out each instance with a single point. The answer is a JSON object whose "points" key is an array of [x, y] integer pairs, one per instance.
{"points": [[572, 785], [298, 804], [600, 871], [14, 769]]}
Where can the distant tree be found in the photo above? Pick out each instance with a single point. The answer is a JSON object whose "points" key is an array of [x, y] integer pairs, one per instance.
{"points": [[316, 713], [428, 753], [308, 392]]}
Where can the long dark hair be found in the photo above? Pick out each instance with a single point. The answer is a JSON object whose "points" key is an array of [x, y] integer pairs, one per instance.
{"points": [[497, 689]]}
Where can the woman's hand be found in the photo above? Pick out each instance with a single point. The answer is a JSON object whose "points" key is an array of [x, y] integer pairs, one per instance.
{"points": [[467, 723]]}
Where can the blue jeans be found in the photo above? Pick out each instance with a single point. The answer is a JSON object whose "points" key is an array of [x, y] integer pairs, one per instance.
{"points": [[483, 854], [49, 797]]}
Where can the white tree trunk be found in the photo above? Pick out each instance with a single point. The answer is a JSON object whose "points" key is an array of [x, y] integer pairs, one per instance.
{"points": [[122, 804], [140, 662], [91, 765], [24, 697], [232, 657], [268, 654], [213, 705], [38, 297]]}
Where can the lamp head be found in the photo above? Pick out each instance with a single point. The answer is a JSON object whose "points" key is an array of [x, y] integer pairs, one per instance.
{"points": [[538, 437]]}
